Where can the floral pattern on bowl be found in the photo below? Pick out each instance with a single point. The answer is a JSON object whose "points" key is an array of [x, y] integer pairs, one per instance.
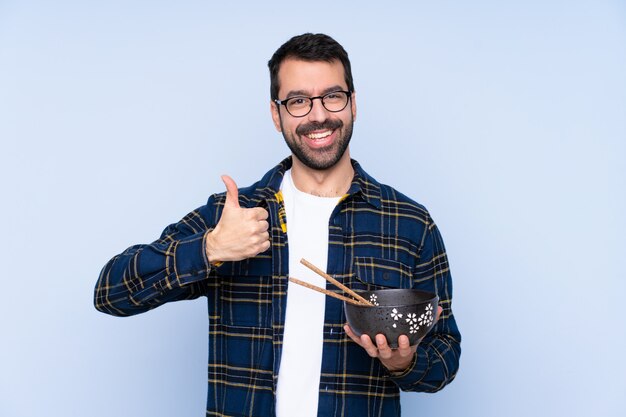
{"points": [[395, 312]]}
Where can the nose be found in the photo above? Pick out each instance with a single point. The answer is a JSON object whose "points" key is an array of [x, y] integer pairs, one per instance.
{"points": [[318, 112]]}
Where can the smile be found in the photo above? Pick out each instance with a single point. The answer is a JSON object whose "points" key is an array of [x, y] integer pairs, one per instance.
{"points": [[320, 135]]}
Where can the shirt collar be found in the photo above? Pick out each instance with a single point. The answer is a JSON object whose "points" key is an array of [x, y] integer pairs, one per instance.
{"points": [[363, 185]]}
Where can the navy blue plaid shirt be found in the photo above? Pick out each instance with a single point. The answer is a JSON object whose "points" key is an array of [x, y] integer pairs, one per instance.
{"points": [[378, 238]]}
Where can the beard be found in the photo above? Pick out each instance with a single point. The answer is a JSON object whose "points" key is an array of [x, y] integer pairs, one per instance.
{"points": [[322, 158]]}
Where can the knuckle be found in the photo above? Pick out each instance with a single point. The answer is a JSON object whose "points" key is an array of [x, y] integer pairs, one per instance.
{"points": [[261, 241], [260, 213]]}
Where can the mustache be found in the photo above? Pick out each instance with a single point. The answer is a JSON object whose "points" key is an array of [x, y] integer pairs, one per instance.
{"points": [[305, 129]]}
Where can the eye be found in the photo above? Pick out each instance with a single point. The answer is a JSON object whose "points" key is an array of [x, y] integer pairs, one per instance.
{"points": [[298, 101], [335, 97]]}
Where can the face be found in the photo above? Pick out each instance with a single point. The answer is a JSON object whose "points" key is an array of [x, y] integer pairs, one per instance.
{"points": [[320, 139]]}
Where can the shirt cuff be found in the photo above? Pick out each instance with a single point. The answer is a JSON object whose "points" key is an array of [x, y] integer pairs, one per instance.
{"points": [[415, 372], [189, 259]]}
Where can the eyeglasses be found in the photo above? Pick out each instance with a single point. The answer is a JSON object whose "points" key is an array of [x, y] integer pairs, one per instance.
{"points": [[300, 106]]}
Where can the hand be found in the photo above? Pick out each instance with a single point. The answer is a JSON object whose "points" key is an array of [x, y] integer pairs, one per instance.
{"points": [[393, 359], [240, 233]]}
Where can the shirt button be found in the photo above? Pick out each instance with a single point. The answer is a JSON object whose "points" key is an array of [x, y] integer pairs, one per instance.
{"points": [[386, 276]]}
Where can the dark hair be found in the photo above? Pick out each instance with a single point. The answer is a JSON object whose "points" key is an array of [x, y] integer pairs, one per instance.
{"points": [[309, 47]]}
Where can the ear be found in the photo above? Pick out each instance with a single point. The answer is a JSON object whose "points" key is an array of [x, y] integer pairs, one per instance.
{"points": [[353, 105], [274, 108]]}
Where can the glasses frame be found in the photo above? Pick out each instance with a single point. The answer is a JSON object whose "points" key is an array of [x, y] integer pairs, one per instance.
{"points": [[321, 98]]}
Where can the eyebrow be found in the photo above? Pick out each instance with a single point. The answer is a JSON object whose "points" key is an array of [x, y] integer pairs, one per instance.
{"points": [[298, 93]]}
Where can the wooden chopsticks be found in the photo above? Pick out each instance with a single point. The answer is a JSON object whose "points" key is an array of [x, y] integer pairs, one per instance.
{"points": [[360, 300], [333, 281], [325, 291]]}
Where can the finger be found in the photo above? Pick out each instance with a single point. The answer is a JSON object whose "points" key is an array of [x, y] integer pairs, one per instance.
{"points": [[384, 351], [265, 246], [259, 229], [351, 335], [257, 248], [232, 193], [364, 341], [264, 226], [260, 213], [439, 312], [404, 347], [368, 345]]}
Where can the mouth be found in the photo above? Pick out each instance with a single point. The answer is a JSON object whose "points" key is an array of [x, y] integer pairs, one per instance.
{"points": [[320, 135], [320, 138]]}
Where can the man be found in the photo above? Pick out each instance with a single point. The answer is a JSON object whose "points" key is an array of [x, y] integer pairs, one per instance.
{"points": [[276, 348]]}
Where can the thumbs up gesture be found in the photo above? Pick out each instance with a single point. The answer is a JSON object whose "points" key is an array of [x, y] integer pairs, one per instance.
{"points": [[240, 233]]}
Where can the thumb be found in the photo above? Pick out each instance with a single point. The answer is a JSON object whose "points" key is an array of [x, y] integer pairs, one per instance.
{"points": [[232, 194]]}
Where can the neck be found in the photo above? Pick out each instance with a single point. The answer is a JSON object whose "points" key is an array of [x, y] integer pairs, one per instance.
{"points": [[332, 182]]}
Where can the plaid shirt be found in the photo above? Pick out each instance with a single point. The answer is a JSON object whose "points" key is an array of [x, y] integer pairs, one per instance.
{"points": [[378, 238]]}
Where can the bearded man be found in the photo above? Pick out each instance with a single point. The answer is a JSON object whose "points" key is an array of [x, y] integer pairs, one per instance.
{"points": [[276, 348]]}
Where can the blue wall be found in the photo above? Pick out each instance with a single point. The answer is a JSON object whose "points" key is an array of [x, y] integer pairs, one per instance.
{"points": [[506, 120]]}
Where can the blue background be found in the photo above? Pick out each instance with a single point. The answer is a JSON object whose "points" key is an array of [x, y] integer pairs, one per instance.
{"points": [[506, 119]]}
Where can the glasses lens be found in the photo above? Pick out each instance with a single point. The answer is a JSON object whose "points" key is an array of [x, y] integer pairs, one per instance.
{"points": [[335, 101], [298, 106]]}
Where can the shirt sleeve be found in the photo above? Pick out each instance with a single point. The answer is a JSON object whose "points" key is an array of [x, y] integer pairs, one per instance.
{"points": [[174, 267], [436, 360]]}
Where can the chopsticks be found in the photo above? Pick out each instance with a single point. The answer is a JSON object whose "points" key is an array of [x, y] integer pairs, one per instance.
{"points": [[325, 291], [360, 300], [333, 281]]}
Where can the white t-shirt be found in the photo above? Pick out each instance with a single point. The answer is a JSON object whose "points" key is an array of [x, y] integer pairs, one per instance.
{"points": [[301, 362]]}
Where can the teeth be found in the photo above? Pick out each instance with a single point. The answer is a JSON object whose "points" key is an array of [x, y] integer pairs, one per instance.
{"points": [[319, 135]]}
